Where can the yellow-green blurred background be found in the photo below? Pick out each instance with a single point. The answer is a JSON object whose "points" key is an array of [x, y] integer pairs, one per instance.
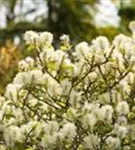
{"points": [[81, 19]]}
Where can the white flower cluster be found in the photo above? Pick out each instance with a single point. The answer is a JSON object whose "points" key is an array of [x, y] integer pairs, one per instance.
{"points": [[26, 64], [38, 39], [79, 98]]}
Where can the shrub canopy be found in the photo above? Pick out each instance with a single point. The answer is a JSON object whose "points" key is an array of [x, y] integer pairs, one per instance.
{"points": [[71, 98]]}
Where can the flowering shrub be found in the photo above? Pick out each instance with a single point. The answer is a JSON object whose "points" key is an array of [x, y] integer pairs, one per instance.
{"points": [[72, 98]]}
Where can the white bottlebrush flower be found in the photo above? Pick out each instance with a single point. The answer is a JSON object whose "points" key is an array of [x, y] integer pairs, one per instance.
{"points": [[29, 61], [82, 50], [38, 39], [113, 142], [120, 41], [118, 59], [100, 48], [27, 78], [18, 114], [54, 55], [53, 87], [57, 57], [11, 121], [22, 78], [107, 112], [29, 127], [77, 68], [125, 86], [6, 109], [68, 131], [128, 49], [122, 120], [130, 78], [32, 101], [66, 86], [12, 135], [92, 142], [31, 37], [132, 26], [104, 113], [22, 65], [101, 43], [46, 38], [99, 114], [48, 141], [117, 55], [12, 91], [91, 107], [26, 64], [51, 127], [122, 108], [36, 75], [65, 39], [69, 68], [121, 131], [75, 98], [89, 120], [33, 127], [92, 120], [54, 59]]}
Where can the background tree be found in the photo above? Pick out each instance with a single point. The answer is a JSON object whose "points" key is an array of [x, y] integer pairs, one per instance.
{"points": [[71, 17], [65, 16]]}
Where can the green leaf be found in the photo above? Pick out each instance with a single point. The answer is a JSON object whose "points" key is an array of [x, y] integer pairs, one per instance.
{"points": [[30, 48]]}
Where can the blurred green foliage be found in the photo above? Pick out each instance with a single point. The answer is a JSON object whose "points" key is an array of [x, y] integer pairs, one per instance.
{"points": [[66, 16]]}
